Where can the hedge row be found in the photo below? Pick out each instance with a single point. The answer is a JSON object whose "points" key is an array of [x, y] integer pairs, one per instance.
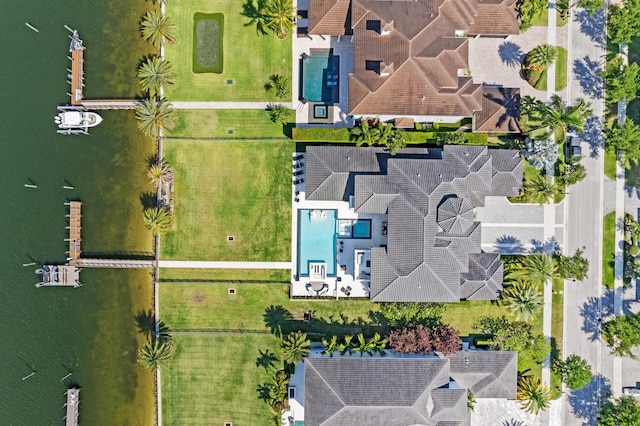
{"points": [[327, 134]]}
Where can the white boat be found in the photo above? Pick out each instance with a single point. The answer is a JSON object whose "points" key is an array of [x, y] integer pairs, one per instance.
{"points": [[77, 119]]}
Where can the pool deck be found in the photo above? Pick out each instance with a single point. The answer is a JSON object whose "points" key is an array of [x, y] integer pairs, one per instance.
{"points": [[343, 49], [359, 288]]}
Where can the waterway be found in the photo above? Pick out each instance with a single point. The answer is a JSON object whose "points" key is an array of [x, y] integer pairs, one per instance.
{"points": [[89, 331]]}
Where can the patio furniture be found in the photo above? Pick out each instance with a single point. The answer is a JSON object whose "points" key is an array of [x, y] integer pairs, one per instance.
{"points": [[298, 157], [297, 200], [317, 285], [339, 279], [343, 267], [349, 288], [298, 173], [345, 291]]}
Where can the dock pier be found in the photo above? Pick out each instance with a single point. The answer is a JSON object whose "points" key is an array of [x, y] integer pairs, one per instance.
{"points": [[73, 406]]}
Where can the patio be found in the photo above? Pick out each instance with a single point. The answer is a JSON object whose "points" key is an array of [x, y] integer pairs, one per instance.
{"points": [[353, 257]]}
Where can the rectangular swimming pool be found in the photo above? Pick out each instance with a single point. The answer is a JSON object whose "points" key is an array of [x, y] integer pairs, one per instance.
{"points": [[320, 76], [316, 239]]}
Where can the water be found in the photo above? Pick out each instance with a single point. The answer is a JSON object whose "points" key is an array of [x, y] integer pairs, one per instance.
{"points": [[89, 331], [320, 77], [316, 240]]}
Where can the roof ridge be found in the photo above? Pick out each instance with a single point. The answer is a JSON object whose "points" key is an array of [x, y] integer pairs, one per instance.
{"points": [[329, 386]]}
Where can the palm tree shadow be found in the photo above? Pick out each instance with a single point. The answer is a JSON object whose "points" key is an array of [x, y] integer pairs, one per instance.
{"points": [[146, 323], [593, 311], [510, 54], [278, 319], [592, 25], [266, 359], [254, 11], [148, 200], [593, 135], [508, 244]]}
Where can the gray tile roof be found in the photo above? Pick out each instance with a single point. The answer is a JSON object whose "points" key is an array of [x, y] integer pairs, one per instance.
{"points": [[487, 374], [400, 391], [433, 251]]}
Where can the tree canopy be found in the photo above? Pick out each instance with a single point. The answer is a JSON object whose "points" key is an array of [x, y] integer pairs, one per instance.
{"points": [[624, 21], [622, 82], [542, 153], [622, 411], [515, 336], [533, 395], [411, 314], [442, 338], [523, 299], [572, 267], [294, 347], [624, 138], [575, 372], [622, 334]]}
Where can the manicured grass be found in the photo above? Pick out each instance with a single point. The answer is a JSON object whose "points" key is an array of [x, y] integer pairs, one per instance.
{"points": [[216, 123], [557, 332], [541, 19], [224, 275], [209, 306], [610, 164], [213, 379], [240, 189], [608, 249], [561, 69], [249, 58]]}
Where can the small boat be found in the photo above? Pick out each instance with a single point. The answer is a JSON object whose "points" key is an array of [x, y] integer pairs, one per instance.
{"points": [[77, 119]]}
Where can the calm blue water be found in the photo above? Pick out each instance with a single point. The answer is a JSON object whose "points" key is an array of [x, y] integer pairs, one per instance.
{"points": [[316, 69], [361, 229], [316, 241]]}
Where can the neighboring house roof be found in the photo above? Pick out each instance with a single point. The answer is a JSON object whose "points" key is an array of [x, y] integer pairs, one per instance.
{"points": [[433, 252], [392, 391], [406, 54]]}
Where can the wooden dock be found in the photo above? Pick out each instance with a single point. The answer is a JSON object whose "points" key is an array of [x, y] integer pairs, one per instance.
{"points": [[77, 69], [73, 406], [59, 276], [75, 226], [110, 104]]}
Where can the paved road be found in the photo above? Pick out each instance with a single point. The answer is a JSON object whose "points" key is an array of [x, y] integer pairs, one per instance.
{"points": [[583, 302]]}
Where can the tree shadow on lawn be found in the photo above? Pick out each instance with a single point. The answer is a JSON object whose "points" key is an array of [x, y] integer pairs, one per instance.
{"points": [[592, 25], [588, 73], [281, 322], [148, 200], [593, 313], [146, 323], [266, 359], [585, 403]]}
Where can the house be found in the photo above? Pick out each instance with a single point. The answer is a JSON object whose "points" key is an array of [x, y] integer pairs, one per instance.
{"points": [[396, 390], [410, 58], [428, 248]]}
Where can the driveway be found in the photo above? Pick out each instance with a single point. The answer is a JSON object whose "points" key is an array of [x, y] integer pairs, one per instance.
{"points": [[497, 61]]}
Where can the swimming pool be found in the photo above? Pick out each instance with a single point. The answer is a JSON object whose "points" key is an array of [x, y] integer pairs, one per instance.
{"points": [[320, 73], [316, 239], [361, 229]]}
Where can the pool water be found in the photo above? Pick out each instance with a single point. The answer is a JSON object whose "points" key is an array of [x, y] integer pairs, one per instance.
{"points": [[316, 239], [361, 229], [320, 77]]}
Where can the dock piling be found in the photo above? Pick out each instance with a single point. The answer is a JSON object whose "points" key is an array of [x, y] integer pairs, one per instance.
{"points": [[32, 27], [68, 187], [33, 373], [65, 377], [29, 264]]}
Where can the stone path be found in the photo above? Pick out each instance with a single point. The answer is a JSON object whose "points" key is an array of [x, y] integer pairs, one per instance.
{"points": [[227, 105], [223, 265]]}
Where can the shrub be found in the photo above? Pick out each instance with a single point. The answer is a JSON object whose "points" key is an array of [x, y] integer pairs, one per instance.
{"points": [[320, 134]]}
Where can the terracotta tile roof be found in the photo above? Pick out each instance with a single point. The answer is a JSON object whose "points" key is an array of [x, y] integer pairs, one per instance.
{"points": [[407, 58], [500, 111]]}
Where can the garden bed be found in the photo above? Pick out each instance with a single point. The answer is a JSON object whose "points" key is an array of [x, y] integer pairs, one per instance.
{"points": [[208, 33]]}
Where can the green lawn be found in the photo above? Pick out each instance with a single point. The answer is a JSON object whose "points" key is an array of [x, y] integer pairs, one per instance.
{"points": [[249, 58], [239, 189], [557, 332], [216, 123], [209, 306], [608, 249], [610, 164], [561, 69], [227, 275], [542, 19], [213, 379]]}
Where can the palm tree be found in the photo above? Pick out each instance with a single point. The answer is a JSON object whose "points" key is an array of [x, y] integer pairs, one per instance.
{"points": [[160, 173], [155, 73], [346, 346], [294, 347], [540, 189], [378, 344], [330, 345], [153, 116], [365, 135], [533, 395], [542, 57], [363, 346], [539, 267], [280, 17], [157, 28], [154, 355], [560, 118], [523, 299], [527, 104], [158, 220]]}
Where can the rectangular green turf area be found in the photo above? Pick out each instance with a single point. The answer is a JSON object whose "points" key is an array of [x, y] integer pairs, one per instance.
{"points": [[225, 123], [223, 189], [208, 34], [249, 58], [213, 380]]}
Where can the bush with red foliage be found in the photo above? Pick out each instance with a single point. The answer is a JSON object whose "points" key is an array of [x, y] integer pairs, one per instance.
{"points": [[420, 339]]}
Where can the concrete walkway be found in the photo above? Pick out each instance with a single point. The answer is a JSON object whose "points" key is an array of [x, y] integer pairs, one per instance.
{"points": [[227, 105], [223, 265]]}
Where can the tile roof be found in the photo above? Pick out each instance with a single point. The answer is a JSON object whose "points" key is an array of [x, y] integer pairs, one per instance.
{"points": [[391, 390], [406, 54], [500, 110], [433, 251]]}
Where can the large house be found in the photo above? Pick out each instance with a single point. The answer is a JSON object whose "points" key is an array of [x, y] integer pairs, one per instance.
{"points": [[430, 391], [410, 58], [400, 228]]}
